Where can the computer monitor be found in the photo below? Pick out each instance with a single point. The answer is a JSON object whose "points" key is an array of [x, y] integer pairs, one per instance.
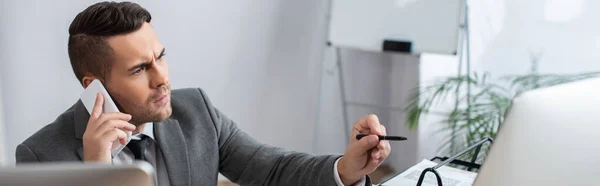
{"points": [[78, 174], [550, 137]]}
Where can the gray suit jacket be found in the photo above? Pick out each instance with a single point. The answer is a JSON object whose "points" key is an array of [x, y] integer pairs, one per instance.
{"points": [[197, 141]]}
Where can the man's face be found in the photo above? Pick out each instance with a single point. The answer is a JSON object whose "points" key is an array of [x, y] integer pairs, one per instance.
{"points": [[139, 77]]}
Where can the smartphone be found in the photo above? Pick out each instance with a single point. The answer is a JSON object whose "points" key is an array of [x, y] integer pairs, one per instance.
{"points": [[88, 98]]}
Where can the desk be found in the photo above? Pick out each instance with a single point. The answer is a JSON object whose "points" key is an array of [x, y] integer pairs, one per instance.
{"points": [[449, 176]]}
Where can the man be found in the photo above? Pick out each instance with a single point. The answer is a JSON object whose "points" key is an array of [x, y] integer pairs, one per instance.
{"points": [[179, 132]]}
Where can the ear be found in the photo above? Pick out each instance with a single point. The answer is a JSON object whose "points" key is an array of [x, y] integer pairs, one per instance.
{"points": [[87, 79]]}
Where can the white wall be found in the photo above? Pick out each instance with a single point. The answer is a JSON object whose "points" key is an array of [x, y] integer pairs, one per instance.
{"points": [[566, 31], [375, 83], [2, 148], [258, 61]]}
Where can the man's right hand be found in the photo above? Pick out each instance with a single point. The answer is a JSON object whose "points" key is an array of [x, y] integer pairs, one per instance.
{"points": [[102, 130]]}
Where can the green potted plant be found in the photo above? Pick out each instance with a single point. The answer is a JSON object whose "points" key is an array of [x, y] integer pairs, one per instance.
{"points": [[479, 112]]}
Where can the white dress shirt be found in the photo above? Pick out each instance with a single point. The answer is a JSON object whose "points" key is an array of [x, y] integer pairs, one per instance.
{"points": [[154, 156]]}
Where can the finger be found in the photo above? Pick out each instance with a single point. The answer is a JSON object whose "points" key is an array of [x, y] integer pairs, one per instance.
{"points": [[381, 145], [97, 110], [368, 124], [380, 160], [123, 141], [365, 144], [386, 151], [372, 165], [358, 129], [371, 123], [105, 117], [115, 124], [381, 154], [376, 154], [114, 134], [374, 125], [114, 116], [383, 130]]}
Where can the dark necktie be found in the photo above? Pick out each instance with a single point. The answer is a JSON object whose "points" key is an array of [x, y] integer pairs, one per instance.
{"points": [[138, 147]]}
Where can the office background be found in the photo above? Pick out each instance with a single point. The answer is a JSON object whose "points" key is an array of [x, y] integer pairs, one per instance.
{"points": [[265, 64]]}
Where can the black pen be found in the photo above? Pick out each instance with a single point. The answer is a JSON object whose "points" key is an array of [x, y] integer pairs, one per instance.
{"points": [[392, 138]]}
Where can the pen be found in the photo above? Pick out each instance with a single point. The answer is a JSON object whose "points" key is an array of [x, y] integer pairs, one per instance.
{"points": [[393, 138]]}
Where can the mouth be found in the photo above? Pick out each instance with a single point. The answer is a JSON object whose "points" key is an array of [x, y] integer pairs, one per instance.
{"points": [[162, 99]]}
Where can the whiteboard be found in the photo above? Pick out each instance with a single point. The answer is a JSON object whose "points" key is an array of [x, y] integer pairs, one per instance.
{"points": [[432, 26]]}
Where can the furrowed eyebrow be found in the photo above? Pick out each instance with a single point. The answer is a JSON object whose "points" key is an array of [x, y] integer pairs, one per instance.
{"points": [[143, 64], [162, 53]]}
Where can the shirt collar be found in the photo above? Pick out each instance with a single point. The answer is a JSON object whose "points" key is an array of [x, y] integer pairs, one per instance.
{"points": [[147, 131]]}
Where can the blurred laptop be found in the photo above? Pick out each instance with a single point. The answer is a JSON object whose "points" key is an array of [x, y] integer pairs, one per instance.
{"points": [[550, 137], [80, 174]]}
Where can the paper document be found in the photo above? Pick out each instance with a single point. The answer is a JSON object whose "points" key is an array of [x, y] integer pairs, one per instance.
{"points": [[450, 176]]}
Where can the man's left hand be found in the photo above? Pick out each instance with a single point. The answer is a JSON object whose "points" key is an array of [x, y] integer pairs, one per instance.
{"points": [[363, 156]]}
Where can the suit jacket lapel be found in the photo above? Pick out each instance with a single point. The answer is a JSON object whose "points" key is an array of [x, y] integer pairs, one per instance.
{"points": [[80, 153], [172, 144]]}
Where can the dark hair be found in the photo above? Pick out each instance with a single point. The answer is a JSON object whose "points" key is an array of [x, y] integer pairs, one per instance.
{"points": [[88, 50]]}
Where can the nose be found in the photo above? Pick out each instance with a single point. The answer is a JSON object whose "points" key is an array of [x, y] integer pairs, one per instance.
{"points": [[160, 75]]}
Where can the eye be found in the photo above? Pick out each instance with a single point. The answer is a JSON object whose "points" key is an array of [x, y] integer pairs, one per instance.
{"points": [[139, 70]]}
